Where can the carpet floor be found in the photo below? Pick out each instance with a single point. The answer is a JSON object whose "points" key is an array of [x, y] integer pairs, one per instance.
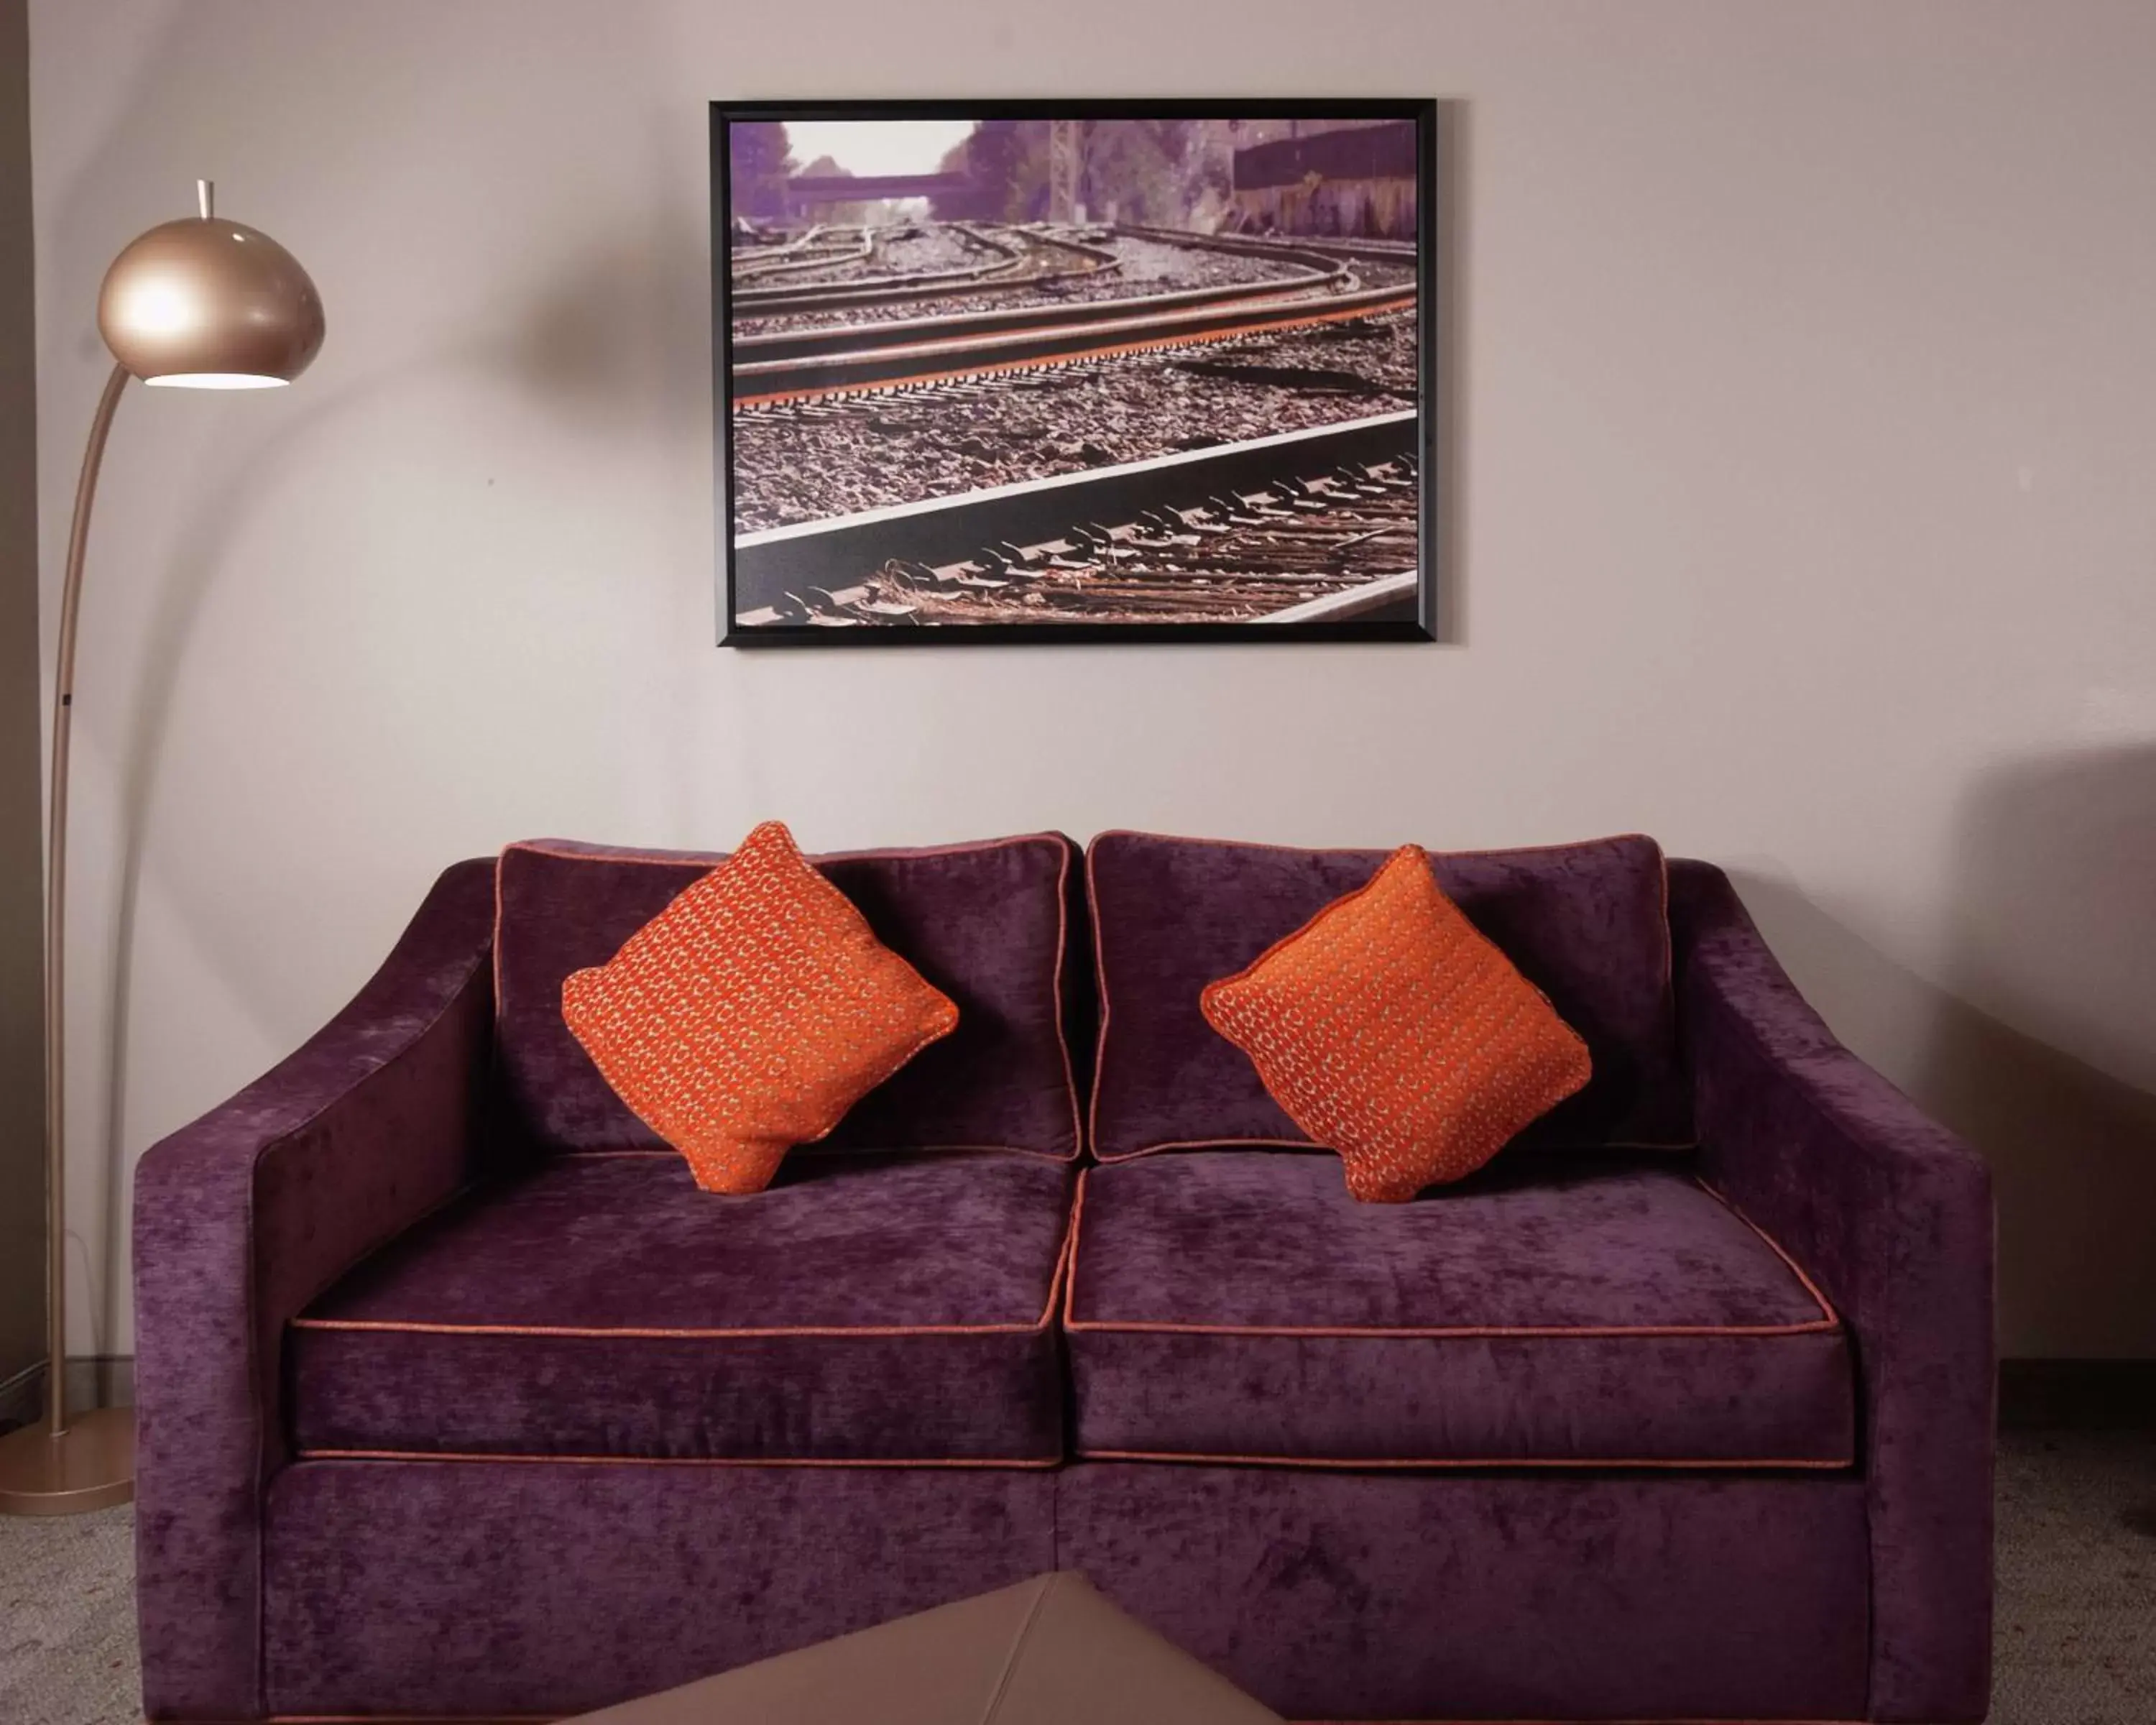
{"points": [[2076, 1613]]}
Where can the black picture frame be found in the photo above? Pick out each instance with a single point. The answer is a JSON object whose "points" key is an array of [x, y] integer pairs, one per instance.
{"points": [[1434, 432]]}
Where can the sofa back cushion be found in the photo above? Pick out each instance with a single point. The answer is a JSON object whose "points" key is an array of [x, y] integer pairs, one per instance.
{"points": [[1588, 924], [985, 924]]}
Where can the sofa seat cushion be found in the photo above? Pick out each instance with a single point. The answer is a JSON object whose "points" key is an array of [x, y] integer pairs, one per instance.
{"points": [[860, 1309], [1588, 1311]]}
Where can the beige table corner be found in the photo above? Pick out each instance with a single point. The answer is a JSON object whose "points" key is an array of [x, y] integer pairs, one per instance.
{"points": [[1049, 1651]]}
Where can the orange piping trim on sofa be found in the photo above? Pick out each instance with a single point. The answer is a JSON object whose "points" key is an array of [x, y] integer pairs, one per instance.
{"points": [[1827, 1322], [562, 851], [418, 1327], [511, 1457], [414, 1327], [1062, 1031], [1772, 1246], [1499, 1464], [812, 1148], [1100, 1003], [1311, 1144], [551, 1719], [1375, 850], [540, 847], [494, 964], [1101, 976]]}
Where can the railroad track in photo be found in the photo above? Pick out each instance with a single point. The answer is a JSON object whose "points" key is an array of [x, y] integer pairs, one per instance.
{"points": [[1315, 526], [984, 423]]}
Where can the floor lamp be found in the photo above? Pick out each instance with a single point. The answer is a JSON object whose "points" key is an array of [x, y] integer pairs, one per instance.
{"points": [[201, 303]]}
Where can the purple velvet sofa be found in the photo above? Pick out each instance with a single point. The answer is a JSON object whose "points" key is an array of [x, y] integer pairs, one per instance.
{"points": [[457, 1400]]}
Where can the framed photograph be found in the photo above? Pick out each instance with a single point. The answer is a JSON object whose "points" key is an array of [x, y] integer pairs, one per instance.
{"points": [[1076, 371]]}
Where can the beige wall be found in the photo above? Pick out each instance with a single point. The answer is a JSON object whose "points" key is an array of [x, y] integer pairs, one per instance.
{"points": [[1810, 493], [22, 1070]]}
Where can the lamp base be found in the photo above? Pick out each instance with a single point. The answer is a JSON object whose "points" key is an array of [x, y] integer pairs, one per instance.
{"points": [[90, 1465]]}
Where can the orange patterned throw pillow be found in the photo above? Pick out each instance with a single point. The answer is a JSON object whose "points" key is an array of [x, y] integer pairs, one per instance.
{"points": [[1391, 1030], [751, 1013]]}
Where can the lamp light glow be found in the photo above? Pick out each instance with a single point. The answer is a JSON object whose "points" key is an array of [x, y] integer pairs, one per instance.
{"points": [[216, 380], [157, 308]]}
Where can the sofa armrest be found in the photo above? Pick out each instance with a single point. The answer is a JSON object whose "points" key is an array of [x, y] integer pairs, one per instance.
{"points": [[243, 1218], [1891, 1215]]}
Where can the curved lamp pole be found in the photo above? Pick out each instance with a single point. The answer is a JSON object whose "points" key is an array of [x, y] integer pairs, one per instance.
{"points": [[201, 303]]}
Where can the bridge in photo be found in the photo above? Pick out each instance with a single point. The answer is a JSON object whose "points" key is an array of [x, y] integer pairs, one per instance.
{"points": [[869, 188]]}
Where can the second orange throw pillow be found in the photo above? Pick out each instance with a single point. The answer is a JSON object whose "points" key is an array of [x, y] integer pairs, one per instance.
{"points": [[1391, 1030], [751, 1013]]}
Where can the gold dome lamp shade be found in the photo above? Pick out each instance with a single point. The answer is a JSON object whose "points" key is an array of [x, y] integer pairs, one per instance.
{"points": [[205, 303], [201, 303]]}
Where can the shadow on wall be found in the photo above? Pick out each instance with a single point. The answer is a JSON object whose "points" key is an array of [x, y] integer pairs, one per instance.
{"points": [[2056, 902], [2053, 930], [578, 341]]}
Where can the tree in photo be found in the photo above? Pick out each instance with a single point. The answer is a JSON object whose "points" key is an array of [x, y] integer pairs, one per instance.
{"points": [[759, 161], [1007, 162]]}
